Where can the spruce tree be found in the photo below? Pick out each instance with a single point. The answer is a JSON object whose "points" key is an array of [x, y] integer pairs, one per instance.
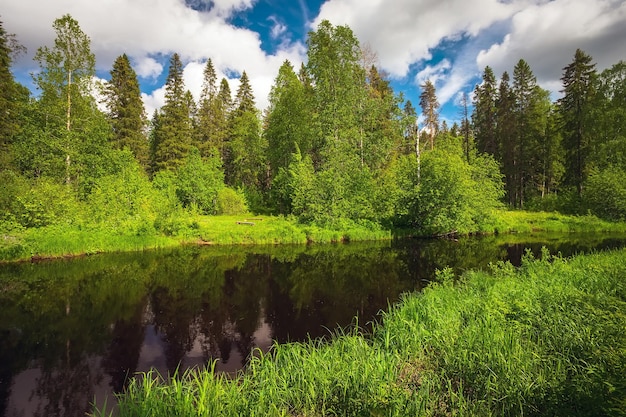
{"points": [[223, 108], [430, 111], [245, 165], [484, 115], [575, 106], [506, 131], [174, 125], [126, 111], [208, 112]]}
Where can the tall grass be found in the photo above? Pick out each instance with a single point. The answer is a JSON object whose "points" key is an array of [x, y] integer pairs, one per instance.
{"points": [[545, 339]]}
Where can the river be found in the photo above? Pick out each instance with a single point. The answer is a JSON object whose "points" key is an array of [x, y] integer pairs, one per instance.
{"points": [[73, 330]]}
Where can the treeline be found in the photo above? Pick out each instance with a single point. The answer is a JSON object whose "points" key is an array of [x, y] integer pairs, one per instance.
{"points": [[335, 145]]}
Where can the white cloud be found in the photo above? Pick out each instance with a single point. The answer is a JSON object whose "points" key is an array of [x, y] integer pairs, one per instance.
{"points": [[546, 35], [144, 29], [278, 28], [433, 73], [147, 67], [403, 32]]}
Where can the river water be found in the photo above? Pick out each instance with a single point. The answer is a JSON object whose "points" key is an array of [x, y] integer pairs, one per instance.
{"points": [[73, 330]]}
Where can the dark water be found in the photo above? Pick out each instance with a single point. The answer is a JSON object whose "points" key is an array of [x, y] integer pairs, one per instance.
{"points": [[71, 331]]}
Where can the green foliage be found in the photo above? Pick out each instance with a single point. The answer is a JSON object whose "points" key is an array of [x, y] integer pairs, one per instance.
{"points": [[451, 196], [199, 182], [230, 202], [123, 201], [604, 194]]}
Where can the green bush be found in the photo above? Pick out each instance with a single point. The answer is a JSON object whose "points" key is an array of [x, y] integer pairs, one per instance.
{"points": [[231, 202], [605, 194]]}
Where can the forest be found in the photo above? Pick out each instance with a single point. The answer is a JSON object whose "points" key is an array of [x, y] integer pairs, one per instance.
{"points": [[335, 147]]}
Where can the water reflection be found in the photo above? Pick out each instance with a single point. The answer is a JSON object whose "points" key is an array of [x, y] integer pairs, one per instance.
{"points": [[74, 330]]}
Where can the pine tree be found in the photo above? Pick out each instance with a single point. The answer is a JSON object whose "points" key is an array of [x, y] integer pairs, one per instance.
{"points": [[578, 91], [174, 128], [484, 115], [126, 111], [430, 111]]}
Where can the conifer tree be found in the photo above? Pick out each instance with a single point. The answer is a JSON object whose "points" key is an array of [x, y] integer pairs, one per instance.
{"points": [[575, 106], [531, 111], [506, 130], [223, 108], [208, 112], [245, 165], [430, 111], [484, 115], [126, 111], [174, 125]]}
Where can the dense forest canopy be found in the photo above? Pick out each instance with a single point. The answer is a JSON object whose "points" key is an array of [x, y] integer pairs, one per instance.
{"points": [[336, 144]]}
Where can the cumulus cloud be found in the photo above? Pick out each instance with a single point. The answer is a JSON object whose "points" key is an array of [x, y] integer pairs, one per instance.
{"points": [[143, 29], [546, 35], [404, 32], [147, 67]]}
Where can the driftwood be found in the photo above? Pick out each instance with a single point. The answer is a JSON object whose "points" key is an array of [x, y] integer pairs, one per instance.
{"points": [[246, 223]]}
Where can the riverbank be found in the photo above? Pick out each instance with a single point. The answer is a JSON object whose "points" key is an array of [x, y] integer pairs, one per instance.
{"points": [[76, 240], [544, 339]]}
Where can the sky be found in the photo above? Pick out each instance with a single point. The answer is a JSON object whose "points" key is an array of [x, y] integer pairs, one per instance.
{"points": [[446, 41]]}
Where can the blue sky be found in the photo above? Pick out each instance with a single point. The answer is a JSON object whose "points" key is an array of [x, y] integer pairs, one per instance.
{"points": [[447, 41]]}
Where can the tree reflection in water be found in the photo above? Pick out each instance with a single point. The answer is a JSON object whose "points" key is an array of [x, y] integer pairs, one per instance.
{"points": [[73, 330]]}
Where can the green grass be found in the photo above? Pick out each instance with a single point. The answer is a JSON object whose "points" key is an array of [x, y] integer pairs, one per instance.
{"points": [[507, 221], [74, 240], [545, 339]]}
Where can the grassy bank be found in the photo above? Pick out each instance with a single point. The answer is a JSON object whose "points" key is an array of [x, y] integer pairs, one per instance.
{"points": [[75, 240], [545, 339]]}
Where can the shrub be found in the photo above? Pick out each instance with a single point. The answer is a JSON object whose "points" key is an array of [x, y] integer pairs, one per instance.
{"points": [[230, 201]]}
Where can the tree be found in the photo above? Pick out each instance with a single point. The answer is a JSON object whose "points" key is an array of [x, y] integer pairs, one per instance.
{"points": [[531, 110], [484, 115], [609, 115], [245, 165], [430, 111], [506, 131], [198, 182], [465, 127], [71, 125], [208, 112], [8, 102], [578, 90], [174, 124], [126, 111], [287, 122], [338, 82], [223, 108]]}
